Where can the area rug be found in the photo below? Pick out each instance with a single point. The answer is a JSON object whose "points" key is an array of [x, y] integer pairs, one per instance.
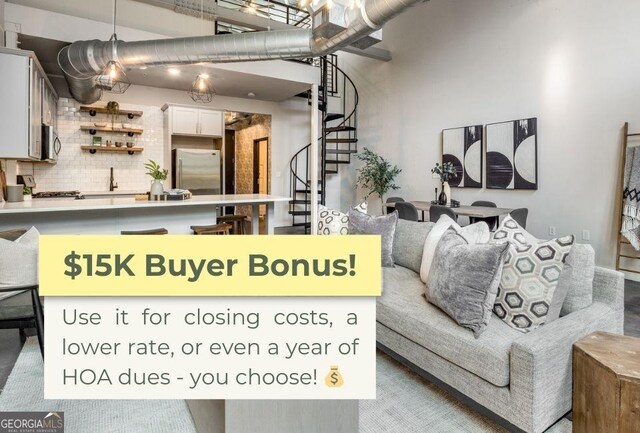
{"points": [[24, 392], [407, 403]]}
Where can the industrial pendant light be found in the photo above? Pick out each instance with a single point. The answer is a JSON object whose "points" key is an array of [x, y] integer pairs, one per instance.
{"points": [[201, 89], [113, 78]]}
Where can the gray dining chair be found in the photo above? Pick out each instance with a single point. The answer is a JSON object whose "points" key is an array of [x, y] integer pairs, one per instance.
{"points": [[407, 211], [520, 215], [393, 200], [492, 222], [436, 211]]}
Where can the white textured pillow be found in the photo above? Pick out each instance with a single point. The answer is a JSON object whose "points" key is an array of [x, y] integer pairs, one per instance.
{"points": [[19, 260], [333, 222], [477, 233]]}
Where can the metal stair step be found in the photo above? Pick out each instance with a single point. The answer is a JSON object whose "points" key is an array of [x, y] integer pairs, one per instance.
{"points": [[301, 225], [342, 140], [306, 191], [299, 212], [331, 171], [337, 161], [333, 116], [341, 151], [340, 129], [300, 201]]}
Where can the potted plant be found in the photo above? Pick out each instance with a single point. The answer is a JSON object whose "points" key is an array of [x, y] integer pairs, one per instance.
{"points": [[113, 109], [26, 192], [445, 172], [158, 174], [377, 175]]}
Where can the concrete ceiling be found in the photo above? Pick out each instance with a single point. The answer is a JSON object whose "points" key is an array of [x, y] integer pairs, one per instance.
{"points": [[226, 82]]}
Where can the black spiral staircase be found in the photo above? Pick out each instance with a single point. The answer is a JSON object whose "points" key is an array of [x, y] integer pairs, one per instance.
{"points": [[338, 140]]}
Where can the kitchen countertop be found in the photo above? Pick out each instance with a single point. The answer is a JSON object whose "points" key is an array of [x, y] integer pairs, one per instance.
{"points": [[72, 205]]}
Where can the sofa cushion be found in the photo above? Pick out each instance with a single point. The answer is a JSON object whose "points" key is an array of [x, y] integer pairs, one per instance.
{"points": [[464, 280], [477, 233], [19, 260], [403, 308], [408, 243], [384, 225], [333, 222], [577, 278]]}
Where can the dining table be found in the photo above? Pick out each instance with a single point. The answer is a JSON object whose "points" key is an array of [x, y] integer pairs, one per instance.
{"points": [[469, 211]]}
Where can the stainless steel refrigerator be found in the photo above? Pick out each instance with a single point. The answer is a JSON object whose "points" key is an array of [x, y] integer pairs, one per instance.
{"points": [[197, 170]]}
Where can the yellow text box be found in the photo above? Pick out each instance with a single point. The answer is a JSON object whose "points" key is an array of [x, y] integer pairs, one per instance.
{"points": [[210, 266]]}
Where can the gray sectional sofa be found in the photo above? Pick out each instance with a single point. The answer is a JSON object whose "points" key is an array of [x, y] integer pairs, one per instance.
{"points": [[523, 379]]}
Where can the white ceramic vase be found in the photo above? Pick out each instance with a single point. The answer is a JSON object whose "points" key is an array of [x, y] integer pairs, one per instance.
{"points": [[156, 187], [447, 190]]}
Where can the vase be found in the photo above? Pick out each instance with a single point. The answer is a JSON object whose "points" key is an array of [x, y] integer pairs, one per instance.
{"points": [[442, 198], [447, 192], [156, 187]]}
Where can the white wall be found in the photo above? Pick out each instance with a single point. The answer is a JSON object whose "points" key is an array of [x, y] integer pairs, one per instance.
{"points": [[573, 64]]}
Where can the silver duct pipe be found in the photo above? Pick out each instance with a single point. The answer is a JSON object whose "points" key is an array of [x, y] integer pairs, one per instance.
{"points": [[83, 61]]}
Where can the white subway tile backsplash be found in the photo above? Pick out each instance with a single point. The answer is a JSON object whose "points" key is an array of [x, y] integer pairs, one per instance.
{"points": [[79, 170]]}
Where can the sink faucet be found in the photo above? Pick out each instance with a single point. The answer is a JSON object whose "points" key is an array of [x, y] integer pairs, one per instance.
{"points": [[112, 185]]}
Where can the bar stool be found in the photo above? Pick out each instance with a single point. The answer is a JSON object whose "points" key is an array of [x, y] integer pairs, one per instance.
{"points": [[216, 229], [160, 231], [237, 222]]}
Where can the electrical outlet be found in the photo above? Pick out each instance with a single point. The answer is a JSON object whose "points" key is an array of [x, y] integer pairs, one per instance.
{"points": [[552, 230], [586, 235]]}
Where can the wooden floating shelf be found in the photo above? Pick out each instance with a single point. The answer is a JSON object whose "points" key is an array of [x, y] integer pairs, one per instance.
{"points": [[95, 110], [123, 149], [93, 129]]}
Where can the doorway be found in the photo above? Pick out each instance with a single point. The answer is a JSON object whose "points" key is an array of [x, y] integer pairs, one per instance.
{"points": [[230, 166], [261, 169]]}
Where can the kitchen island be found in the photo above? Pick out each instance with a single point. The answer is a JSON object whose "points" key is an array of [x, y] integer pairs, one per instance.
{"points": [[113, 214]]}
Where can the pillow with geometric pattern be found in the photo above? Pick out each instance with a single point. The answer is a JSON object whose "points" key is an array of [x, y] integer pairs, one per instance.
{"points": [[530, 277], [333, 222]]}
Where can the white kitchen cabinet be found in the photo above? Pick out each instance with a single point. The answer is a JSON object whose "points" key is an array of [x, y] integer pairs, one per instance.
{"points": [[210, 123], [194, 121], [184, 120], [21, 112]]}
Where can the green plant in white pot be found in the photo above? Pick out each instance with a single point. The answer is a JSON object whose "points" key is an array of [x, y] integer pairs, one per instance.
{"points": [[377, 176], [158, 174]]}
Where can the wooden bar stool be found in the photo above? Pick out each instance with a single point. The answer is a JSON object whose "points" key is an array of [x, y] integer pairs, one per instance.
{"points": [[216, 229], [160, 231], [237, 221]]}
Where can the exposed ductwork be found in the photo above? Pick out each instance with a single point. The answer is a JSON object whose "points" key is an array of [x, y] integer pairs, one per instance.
{"points": [[83, 61]]}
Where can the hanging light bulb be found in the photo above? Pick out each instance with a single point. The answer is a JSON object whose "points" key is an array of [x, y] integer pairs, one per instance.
{"points": [[113, 78], [329, 4], [202, 90], [303, 3]]}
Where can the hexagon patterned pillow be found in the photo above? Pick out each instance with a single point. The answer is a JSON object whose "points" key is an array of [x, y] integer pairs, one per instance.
{"points": [[333, 222], [529, 277]]}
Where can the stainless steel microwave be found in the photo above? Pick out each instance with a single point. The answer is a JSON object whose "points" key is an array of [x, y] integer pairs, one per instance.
{"points": [[51, 144]]}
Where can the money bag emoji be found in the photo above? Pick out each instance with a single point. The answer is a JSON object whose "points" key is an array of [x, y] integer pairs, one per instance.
{"points": [[334, 378]]}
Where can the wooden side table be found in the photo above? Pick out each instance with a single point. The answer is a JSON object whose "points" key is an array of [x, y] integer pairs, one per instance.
{"points": [[606, 384]]}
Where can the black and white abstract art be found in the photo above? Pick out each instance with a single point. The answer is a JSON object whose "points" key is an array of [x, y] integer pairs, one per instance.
{"points": [[463, 148], [512, 154]]}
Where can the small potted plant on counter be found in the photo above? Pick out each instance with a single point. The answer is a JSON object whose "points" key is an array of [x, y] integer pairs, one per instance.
{"points": [[158, 174], [26, 192]]}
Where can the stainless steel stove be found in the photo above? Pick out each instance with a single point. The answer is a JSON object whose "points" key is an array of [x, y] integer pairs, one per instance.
{"points": [[59, 194]]}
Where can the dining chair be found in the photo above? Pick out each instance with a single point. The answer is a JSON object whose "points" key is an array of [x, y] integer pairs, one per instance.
{"points": [[492, 222], [393, 200], [436, 211], [22, 310], [520, 215], [407, 211]]}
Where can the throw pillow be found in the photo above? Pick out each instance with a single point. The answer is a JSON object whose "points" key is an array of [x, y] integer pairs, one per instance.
{"points": [[408, 243], [477, 233], [384, 225], [575, 287], [333, 222], [19, 260], [464, 279], [528, 296]]}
